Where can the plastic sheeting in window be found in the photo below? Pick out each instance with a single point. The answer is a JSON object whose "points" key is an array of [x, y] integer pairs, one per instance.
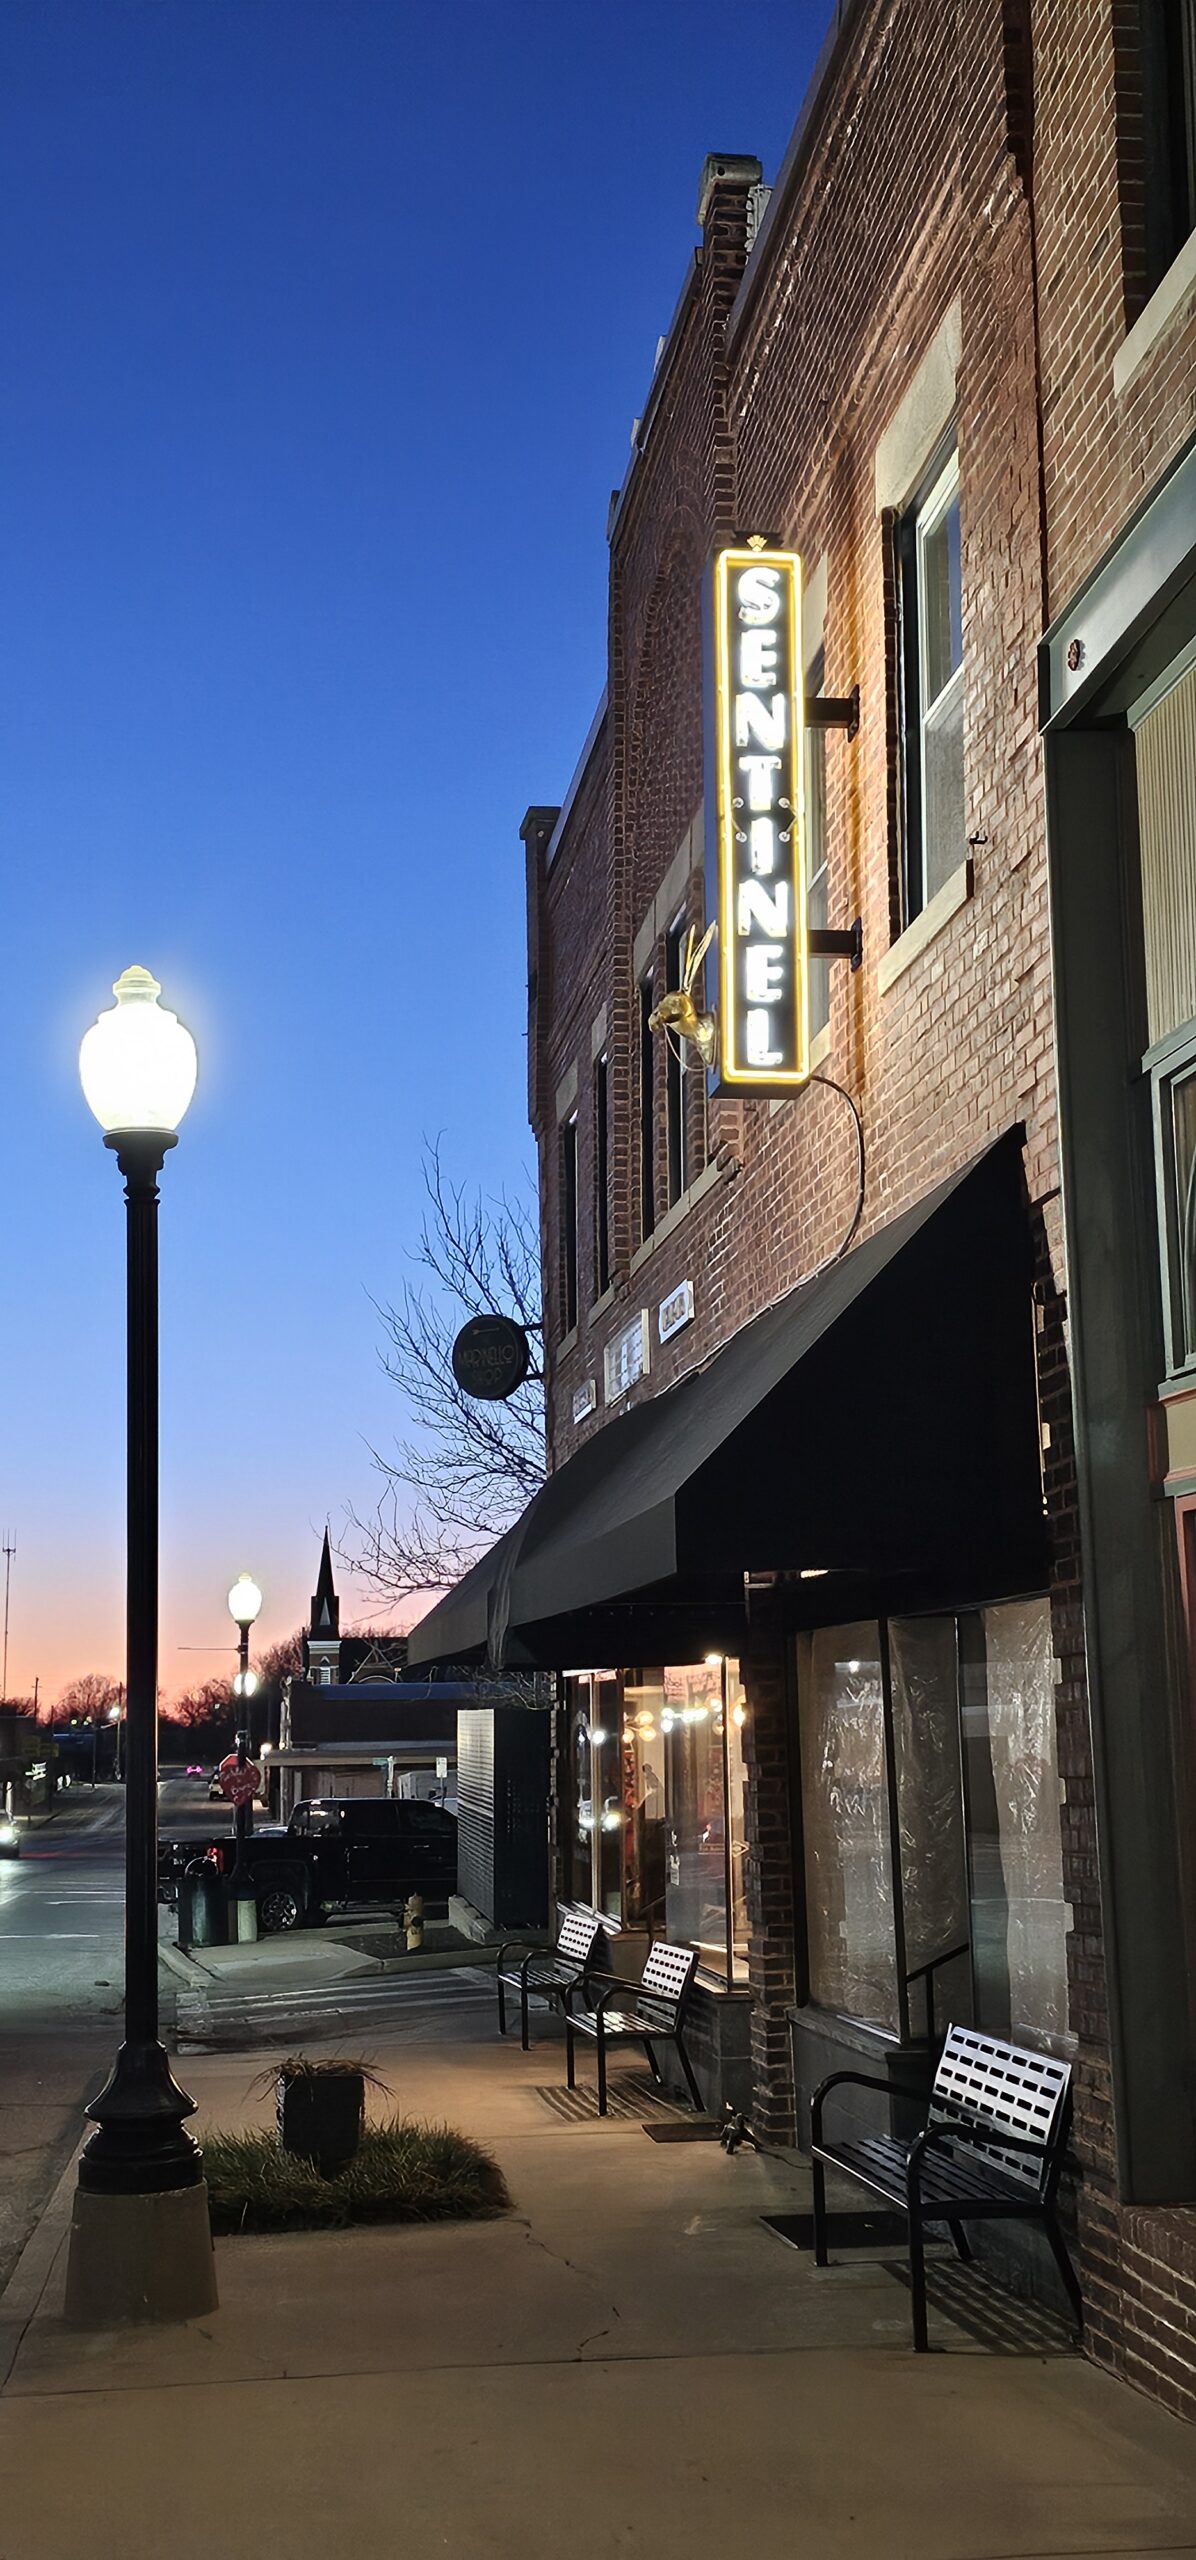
{"points": [[849, 1883]]}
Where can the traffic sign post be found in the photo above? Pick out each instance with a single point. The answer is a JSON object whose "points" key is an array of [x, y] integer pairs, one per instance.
{"points": [[239, 1778]]}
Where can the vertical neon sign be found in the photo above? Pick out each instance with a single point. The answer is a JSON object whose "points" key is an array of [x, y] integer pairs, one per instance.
{"points": [[759, 823]]}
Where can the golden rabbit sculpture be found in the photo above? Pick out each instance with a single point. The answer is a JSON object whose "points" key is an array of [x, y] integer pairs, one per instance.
{"points": [[677, 1013]]}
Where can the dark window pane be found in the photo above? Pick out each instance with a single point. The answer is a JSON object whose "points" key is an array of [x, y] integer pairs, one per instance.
{"points": [[647, 1114], [674, 1073], [569, 1221], [816, 898], [1183, 1124], [942, 605], [601, 1177]]}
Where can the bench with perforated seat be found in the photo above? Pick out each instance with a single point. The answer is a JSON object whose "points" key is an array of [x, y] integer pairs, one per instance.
{"points": [[547, 1973], [991, 2149], [648, 2012]]}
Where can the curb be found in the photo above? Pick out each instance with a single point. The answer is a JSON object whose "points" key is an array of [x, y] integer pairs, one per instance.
{"points": [[26, 2285]]}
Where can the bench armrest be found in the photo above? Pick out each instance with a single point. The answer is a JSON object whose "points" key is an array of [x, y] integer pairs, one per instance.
{"points": [[514, 1946], [858, 2080]]}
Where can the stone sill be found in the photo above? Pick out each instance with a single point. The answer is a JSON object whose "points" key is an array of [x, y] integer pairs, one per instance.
{"points": [[1168, 300], [910, 945], [673, 1217]]}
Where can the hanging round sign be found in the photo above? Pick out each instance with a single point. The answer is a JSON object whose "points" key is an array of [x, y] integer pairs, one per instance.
{"points": [[491, 1357]]}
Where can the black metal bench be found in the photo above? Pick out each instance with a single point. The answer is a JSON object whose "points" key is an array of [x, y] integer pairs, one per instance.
{"points": [[547, 1973], [991, 2150], [648, 2012]]}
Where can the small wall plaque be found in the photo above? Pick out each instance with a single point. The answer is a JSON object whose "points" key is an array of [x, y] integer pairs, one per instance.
{"points": [[675, 1311]]}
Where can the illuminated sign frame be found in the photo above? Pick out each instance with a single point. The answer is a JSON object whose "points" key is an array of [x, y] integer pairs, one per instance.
{"points": [[759, 830]]}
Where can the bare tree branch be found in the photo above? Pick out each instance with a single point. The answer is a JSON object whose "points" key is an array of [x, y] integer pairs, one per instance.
{"points": [[465, 1469]]}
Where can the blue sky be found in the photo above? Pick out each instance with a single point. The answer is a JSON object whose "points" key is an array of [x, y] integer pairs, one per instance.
{"points": [[324, 326]]}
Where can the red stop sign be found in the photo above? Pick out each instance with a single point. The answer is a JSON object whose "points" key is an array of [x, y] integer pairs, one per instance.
{"points": [[238, 1784]]}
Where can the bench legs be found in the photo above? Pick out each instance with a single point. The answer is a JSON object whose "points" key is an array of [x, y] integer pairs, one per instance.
{"points": [[818, 2182], [963, 2246], [1059, 2252], [600, 2041], [570, 2056], [690, 2082], [502, 2012], [917, 2259]]}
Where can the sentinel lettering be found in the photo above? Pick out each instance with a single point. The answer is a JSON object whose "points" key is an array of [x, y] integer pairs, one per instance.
{"points": [[759, 711]]}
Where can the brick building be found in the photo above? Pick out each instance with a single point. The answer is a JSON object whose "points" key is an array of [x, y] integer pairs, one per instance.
{"points": [[847, 1422]]}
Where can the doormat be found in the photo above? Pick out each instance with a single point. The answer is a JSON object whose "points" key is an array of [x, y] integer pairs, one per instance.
{"points": [[698, 2129], [1000, 2321], [843, 2230]]}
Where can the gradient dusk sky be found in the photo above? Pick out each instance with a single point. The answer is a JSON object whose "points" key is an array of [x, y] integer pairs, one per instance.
{"points": [[324, 326]]}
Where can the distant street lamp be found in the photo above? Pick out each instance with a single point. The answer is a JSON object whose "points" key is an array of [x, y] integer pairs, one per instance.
{"points": [[116, 1717], [244, 1605], [141, 2239]]}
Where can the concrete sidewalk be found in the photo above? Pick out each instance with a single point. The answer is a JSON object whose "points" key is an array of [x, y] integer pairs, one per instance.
{"points": [[630, 2362]]}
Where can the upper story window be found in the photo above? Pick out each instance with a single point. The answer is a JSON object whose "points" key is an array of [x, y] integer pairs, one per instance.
{"points": [[1168, 36], [674, 1071], [931, 608], [816, 915], [647, 1114], [601, 1174], [569, 1223], [1177, 1132]]}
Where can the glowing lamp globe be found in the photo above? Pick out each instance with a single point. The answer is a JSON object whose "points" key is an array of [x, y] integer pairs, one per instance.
{"points": [[138, 1063], [246, 1684], [244, 1600]]}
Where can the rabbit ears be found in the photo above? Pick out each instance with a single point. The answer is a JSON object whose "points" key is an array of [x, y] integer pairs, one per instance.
{"points": [[695, 954]]}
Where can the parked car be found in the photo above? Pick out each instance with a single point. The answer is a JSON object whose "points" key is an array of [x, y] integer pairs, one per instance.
{"points": [[333, 1854]]}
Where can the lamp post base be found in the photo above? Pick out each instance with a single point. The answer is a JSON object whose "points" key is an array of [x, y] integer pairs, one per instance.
{"points": [[140, 2257]]}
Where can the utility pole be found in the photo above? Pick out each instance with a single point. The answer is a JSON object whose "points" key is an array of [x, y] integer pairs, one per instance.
{"points": [[9, 1550]]}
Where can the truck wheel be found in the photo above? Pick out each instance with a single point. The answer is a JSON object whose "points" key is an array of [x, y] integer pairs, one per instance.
{"points": [[278, 1908]]}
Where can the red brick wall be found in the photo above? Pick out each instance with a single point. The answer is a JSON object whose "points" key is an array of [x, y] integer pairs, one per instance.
{"points": [[914, 188]]}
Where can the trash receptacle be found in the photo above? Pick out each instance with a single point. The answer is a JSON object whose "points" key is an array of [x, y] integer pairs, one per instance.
{"points": [[201, 1906]]}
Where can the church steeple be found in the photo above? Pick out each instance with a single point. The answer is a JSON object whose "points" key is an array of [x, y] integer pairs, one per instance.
{"points": [[325, 1607], [324, 1633]]}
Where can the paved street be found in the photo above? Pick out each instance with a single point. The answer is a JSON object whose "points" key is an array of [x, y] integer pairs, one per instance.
{"points": [[61, 1932]]}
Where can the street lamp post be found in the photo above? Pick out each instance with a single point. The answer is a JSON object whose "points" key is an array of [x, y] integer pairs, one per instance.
{"points": [[140, 2239], [244, 1605]]}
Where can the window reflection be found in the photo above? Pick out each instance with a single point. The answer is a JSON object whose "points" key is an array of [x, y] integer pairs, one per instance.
{"points": [[656, 1830]]}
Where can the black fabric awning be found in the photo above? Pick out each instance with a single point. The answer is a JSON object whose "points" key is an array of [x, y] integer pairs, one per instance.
{"points": [[876, 1429]]}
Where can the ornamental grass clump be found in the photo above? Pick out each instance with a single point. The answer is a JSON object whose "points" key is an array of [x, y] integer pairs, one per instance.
{"points": [[402, 2171]]}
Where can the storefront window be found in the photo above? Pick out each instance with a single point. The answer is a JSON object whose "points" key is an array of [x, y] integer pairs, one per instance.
{"points": [[644, 1852], [934, 1870], [683, 1795], [593, 1846], [1019, 1917], [924, 1679], [845, 1816]]}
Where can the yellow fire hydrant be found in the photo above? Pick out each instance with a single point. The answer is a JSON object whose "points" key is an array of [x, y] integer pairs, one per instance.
{"points": [[413, 1921]]}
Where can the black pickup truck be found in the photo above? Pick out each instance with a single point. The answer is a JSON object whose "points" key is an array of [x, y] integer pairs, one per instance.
{"points": [[334, 1852]]}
